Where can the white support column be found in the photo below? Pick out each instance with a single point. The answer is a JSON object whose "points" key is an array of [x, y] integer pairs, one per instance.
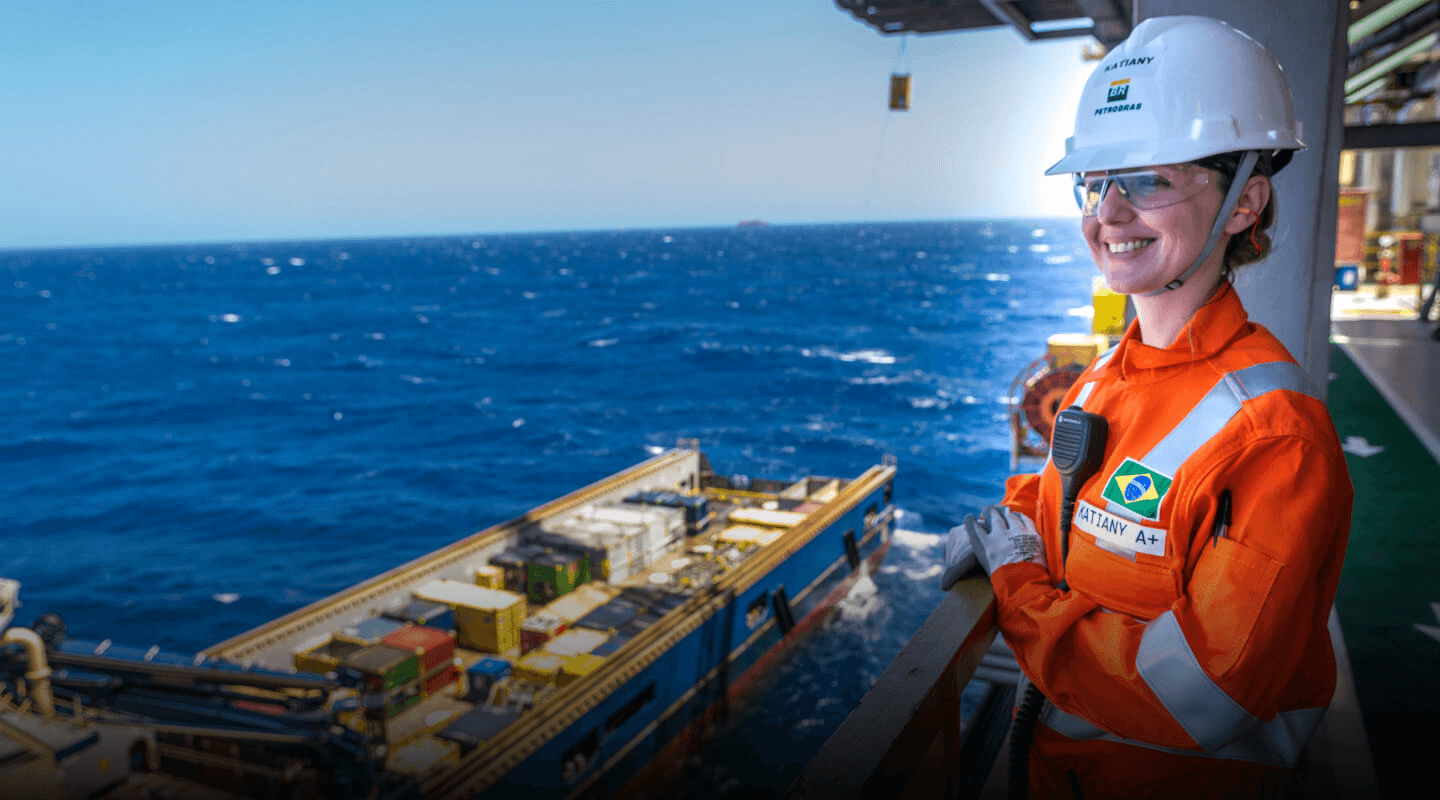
{"points": [[1289, 292]]}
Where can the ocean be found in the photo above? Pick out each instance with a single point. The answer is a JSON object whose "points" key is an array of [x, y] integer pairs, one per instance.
{"points": [[198, 438]]}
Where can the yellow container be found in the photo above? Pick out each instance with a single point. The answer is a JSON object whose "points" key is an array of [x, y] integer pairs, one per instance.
{"points": [[539, 666], [485, 619], [1109, 310], [489, 576], [578, 666], [419, 756], [1075, 348], [323, 655], [489, 630]]}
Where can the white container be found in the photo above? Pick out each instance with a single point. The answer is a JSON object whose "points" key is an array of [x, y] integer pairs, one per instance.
{"points": [[575, 641]]}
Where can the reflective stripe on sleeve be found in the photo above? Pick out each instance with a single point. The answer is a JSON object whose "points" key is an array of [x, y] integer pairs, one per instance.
{"points": [[1219, 405], [1172, 672], [1084, 393], [1277, 743]]}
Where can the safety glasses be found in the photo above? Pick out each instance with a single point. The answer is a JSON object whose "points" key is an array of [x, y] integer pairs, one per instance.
{"points": [[1152, 187]]}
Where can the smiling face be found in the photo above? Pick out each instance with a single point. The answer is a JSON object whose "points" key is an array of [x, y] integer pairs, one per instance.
{"points": [[1139, 250]]}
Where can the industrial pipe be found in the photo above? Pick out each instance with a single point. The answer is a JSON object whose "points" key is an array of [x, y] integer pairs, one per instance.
{"points": [[38, 676]]}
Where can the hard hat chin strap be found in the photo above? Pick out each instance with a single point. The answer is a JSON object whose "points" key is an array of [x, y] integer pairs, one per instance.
{"points": [[1232, 199]]}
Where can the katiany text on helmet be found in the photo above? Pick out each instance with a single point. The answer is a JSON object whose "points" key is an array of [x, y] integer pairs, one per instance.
{"points": [[1129, 62]]}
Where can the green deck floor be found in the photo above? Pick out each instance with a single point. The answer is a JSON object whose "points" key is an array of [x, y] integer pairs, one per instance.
{"points": [[1391, 575]]}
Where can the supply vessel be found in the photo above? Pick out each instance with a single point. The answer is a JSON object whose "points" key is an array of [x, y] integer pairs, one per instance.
{"points": [[579, 650]]}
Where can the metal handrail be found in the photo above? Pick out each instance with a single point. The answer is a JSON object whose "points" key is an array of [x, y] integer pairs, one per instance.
{"points": [[877, 749]]}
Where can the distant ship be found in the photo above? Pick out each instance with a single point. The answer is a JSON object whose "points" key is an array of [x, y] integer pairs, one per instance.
{"points": [[753, 223]]}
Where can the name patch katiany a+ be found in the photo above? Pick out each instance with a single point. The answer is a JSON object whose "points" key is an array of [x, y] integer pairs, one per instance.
{"points": [[1110, 529]]}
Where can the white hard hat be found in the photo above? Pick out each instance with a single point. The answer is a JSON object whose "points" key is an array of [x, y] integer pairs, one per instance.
{"points": [[1179, 89]]}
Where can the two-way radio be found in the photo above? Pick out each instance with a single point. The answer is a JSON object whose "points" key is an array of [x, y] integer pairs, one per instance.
{"points": [[1077, 448]]}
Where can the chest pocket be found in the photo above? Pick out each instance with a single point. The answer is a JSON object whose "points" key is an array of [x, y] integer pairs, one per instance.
{"points": [[1143, 587]]}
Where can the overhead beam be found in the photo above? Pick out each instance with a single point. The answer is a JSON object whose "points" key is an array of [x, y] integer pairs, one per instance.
{"points": [[1409, 134], [1390, 62], [1381, 17], [1006, 13]]}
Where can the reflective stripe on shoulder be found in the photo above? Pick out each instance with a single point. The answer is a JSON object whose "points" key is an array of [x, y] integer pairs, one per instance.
{"points": [[1084, 393], [1277, 743], [1172, 672], [1103, 359], [1219, 405]]}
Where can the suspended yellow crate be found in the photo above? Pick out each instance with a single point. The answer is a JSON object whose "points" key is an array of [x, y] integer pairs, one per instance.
{"points": [[900, 92]]}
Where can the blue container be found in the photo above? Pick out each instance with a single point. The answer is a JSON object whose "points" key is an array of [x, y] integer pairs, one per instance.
{"points": [[479, 726], [1347, 277], [482, 675], [374, 629]]}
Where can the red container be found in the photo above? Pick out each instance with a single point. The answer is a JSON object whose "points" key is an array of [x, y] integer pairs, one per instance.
{"points": [[440, 679], [538, 629], [434, 646]]}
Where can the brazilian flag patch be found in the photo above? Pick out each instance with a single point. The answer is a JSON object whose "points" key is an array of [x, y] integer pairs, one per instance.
{"points": [[1137, 488]]}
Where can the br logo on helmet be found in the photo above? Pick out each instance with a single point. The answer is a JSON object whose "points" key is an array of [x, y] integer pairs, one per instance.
{"points": [[1119, 90], [1137, 488]]}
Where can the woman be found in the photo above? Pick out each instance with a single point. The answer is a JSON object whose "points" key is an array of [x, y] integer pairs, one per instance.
{"points": [[1181, 645]]}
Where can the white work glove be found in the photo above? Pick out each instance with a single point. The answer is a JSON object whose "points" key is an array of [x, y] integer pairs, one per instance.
{"points": [[959, 556], [1005, 537]]}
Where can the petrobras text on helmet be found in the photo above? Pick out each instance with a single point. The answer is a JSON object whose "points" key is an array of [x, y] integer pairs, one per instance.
{"points": [[1130, 62], [1113, 109]]}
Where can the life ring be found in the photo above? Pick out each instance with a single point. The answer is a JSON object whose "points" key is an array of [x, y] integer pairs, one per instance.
{"points": [[1042, 398]]}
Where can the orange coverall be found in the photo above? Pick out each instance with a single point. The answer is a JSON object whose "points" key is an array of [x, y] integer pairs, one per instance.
{"points": [[1179, 664]]}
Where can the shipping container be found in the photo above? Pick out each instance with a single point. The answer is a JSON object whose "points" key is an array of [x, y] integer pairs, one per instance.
{"points": [[323, 654], [480, 725], [419, 756], [431, 645], [539, 628], [747, 536], [373, 630], [696, 507], [578, 603], [766, 517], [422, 611], [577, 667], [489, 576], [551, 574], [576, 641], [481, 676], [446, 676], [382, 667], [512, 563], [610, 616], [485, 619], [541, 667]]}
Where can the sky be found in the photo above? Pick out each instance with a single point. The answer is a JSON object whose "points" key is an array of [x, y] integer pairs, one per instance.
{"points": [[143, 122]]}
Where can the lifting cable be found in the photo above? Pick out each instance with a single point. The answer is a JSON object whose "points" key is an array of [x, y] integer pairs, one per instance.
{"points": [[899, 72]]}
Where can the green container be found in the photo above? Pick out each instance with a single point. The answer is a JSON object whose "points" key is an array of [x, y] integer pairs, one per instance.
{"points": [[401, 699], [383, 667], [552, 574]]}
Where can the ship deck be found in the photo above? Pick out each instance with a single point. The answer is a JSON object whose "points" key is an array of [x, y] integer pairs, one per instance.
{"points": [[1385, 392]]}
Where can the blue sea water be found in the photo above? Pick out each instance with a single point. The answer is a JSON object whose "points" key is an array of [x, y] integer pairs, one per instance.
{"points": [[199, 438]]}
